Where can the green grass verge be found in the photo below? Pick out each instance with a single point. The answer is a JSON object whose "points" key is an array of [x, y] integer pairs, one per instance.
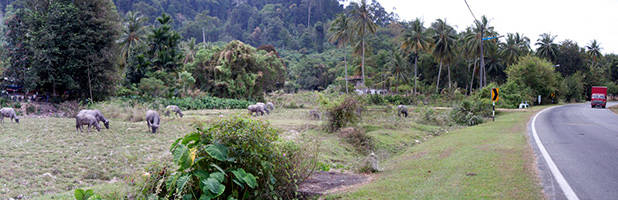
{"points": [[489, 161], [614, 109]]}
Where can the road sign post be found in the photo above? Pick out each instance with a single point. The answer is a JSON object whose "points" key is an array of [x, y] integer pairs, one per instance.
{"points": [[495, 96]]}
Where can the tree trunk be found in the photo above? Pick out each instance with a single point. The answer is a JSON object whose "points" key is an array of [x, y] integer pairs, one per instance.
{"points": [[345, 62], [484, 77], [480, 77], [415, 73], [482, 70], [472, 80], [308, 13], [439, 72], [203, 36], [448, 68], [363, 57], [89, 84]]}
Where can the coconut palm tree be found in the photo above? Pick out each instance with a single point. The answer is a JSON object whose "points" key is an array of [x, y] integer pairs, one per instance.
{"points": [[133, 33], [397, 66], [443, 38], [342, 33], [415, 40], [472, 41], [594, 51], [547, 48], [515, 46], [363, 25]]}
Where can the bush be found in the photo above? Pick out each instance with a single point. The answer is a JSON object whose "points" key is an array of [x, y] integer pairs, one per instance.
{"points": [[471, 113], [400, 100], [81, 194], [534, 73], [358, 139], [375, 99], [342, 112], [572, 88], [430, 116], [152, 87], [235, 158], [4, 102], [31, 109], [511, 95], [205, 102]]}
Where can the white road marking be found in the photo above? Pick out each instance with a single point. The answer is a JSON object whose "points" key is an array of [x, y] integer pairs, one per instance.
{"points": [[564, 185]]}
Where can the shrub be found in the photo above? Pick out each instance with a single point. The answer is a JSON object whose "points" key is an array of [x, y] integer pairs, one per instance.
{"points": [[375, 99], [511, 94], [358, 139], [431, 116], [4, 102], [534, 73], [471, 113], [204, 102], [127, 91], [152, 87], [235, 158], [30, 109], [572, 88], [342, 112], [400, 100], [81, 194]]}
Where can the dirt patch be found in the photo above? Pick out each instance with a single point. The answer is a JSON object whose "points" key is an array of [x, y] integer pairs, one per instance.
{"points": [[322, 183]]}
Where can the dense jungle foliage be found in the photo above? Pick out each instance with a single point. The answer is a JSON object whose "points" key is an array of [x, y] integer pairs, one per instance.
{"points": [[241, 49]]}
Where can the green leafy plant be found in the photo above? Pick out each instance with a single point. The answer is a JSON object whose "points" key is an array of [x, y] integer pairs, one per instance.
{"points": [[81, 194], [236, 158], [342, 111], [471, 113]]}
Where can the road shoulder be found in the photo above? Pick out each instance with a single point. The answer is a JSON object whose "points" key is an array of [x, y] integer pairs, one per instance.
{"points": [[551, 188]]}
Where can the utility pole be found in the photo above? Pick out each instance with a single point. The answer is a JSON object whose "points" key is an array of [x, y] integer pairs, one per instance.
{"points": [[482, 71], [482, 67]]}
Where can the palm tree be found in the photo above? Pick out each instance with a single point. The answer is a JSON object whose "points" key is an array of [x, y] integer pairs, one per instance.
{"points": [[483, 29], [363, 24], [415, 40], [444, 37], [471, 49], [133, 33], [341, 35], [516, 45], [473, 41], [190, 49], [547, 48], [397, 67], [594, 51]]}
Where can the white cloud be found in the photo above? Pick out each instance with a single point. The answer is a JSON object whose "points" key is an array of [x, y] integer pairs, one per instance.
{"points": [[581, 21]]}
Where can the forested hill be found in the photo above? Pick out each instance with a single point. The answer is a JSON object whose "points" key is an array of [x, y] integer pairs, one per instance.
{"points": [[282, 23]]}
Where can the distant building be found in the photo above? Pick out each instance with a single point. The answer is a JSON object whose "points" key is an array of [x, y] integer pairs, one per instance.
{"points": [[357, 81]]}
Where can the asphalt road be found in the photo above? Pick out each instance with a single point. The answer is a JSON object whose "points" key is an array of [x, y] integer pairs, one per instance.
{"points": [[583, 144]]}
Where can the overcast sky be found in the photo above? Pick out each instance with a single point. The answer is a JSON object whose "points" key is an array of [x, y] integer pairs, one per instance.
{"points": [[578, 20]]}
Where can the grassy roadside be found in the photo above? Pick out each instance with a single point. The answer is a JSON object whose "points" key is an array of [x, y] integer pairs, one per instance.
{"points": [[489, 161], [614, 109]]}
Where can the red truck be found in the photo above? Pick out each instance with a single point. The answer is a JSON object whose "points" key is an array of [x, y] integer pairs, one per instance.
{"points": [[599, 96]]}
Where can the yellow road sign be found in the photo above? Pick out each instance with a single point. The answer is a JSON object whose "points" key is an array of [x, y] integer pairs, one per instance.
{"points": [[495, 94]]}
